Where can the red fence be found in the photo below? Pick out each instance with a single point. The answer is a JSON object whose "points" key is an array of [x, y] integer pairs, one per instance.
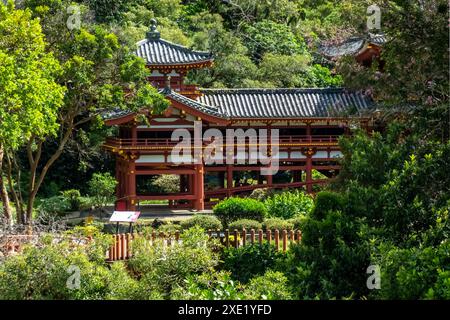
{"points": [[12, 244], [121, 247]]}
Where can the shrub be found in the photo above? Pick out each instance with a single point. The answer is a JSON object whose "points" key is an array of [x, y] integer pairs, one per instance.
{"points": [[54, 205], [48, 270], [261, 194], [277, 224], [249, 261], [204, 221], [414, 273], [73, 196], [161, 268], [332, 259], [289, 204], [297, 222], [245, 224], [102, 187], [327, 201], [270, 286], [233, 209], [169, 228], [209, 286]]}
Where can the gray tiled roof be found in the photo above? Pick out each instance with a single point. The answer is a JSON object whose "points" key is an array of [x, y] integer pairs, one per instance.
{"points": [[270, 103], [156, 51], [202, 107], [285, 103], [352, 45]]}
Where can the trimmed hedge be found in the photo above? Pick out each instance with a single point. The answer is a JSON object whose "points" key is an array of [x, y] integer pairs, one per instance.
{"points": [[277, 223], [233, 209], [245, 224], [327, 201], [204, 221]]}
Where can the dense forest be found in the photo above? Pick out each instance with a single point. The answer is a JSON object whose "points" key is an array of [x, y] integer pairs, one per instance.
{"points": [[390, 204]]}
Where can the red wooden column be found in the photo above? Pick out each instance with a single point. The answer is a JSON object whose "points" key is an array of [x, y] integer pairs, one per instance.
{"points": [[229, 179], [309, 153], [199, 188], [309, 177], [131, 184], [118, 178]]}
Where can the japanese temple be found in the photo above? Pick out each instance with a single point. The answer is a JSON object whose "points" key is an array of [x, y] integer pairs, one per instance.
{"points": [[309, 123]]}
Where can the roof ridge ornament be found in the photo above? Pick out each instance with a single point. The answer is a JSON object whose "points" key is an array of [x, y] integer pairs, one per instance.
{"points": [[153, 34]]}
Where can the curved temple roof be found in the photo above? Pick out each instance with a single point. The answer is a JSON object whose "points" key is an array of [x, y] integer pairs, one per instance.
{"points": [[352, 46], [230, 104], [286, 103], [157, 51]]}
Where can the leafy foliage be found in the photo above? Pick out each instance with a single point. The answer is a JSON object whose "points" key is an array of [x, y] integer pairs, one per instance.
{"points": [[245, 224], [161, 268], [204, 221], [270, 286], [233, 209], [102, 187], [277, 224], [288, 204], [249, 261]]}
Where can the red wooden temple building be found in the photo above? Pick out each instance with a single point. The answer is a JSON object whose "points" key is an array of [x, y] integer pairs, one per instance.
{"points": [[309, 122]]}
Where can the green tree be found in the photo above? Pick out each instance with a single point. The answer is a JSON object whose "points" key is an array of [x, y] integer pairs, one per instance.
{"points": [[29, 96], [268, 36], [99, 75], [102, 187]]}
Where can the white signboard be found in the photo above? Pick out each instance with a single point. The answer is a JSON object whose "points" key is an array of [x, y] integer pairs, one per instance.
{"points": [[124, 216]]}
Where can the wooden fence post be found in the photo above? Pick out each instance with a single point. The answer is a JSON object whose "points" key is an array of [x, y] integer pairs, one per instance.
{"points": [[291, 236], [244, 237], [129, 236], [119, 251], [236, 238], [277, 239], [123, 246], [252, 236], [177, 236], [284, 236], [269, 236], [299, 236], [260, 236]]}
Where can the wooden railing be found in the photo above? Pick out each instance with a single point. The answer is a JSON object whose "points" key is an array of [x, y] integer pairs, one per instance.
{"points": [[168, 143], [121, 248]]}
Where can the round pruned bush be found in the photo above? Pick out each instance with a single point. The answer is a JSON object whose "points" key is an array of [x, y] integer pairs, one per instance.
{"points": [[233, 209], [247, 224], [289, 204], [204, 221], [272, 285], [278, 224], [326, 202]]}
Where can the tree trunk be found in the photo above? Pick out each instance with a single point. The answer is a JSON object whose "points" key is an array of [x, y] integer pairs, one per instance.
{"points": [[3, 192], [16, 194], [37, 179]]}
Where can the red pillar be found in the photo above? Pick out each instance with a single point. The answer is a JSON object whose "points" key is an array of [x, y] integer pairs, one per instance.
{"points": [[309, 178], [229, 180], [131, 192], [199, 203]]}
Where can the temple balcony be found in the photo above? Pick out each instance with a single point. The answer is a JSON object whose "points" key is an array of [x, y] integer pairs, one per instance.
{"points": [[285, 142]]}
